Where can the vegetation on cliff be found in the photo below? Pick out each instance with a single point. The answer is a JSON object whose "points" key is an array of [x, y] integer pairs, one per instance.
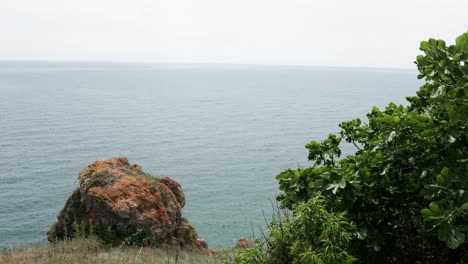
{"points": [[402, 197]]}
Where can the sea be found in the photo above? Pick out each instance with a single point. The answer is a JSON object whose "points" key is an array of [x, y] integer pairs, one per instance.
{"points": [[223, 131]]}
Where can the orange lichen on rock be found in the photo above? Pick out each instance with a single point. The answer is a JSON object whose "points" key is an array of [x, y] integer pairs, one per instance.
{"points": [[107, 170], [139, 201], [119, 195]]}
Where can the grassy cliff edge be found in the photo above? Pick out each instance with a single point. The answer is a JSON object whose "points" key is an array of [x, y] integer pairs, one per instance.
{"points": [[87, 251]]}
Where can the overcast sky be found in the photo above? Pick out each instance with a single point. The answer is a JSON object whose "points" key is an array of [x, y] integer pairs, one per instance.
{"points": [[370, 33]]}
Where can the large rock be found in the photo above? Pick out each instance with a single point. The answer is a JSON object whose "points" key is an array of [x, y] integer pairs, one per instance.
{"points": [[121, 204]]}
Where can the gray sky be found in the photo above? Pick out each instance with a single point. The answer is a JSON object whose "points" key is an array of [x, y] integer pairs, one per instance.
{"points": [[371, 33]]}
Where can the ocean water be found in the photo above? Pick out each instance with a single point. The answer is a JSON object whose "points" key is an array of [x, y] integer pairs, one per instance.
{"points": [[224, 132]]}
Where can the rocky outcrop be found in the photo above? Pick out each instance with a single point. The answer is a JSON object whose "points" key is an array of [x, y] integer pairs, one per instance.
{"points": [[243, 243], [121, 204]]}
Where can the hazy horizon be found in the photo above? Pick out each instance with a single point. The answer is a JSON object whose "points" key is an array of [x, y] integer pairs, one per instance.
{"points": [[201, 64], [334, 33]]}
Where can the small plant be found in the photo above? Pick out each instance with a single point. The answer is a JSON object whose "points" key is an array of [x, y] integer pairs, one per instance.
{"points": [[106, 234], [79, 229], [136, 238], [97, 181], [92, 233]]}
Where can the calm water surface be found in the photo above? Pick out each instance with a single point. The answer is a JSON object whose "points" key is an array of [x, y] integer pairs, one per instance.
{"points": [[224, 132]]}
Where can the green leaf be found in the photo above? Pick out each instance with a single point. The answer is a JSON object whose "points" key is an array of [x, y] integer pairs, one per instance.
{"points": [[444, 232], [424, 45], [464, 206], [462, 41], [426, 211], [335, 186], [445, 171], [391, 136], [435, 208], [456, 239], [452, 237], [361, 233]]}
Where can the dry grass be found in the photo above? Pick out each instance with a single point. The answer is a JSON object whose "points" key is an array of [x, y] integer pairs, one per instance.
{"points": [[88, 251]]}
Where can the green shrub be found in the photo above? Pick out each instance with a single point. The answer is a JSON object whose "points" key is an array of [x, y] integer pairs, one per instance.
{"points": [[311, 235], [320, 236], [405, 188], [402, 197]]}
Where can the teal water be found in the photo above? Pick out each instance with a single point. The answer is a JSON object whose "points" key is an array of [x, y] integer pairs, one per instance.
{"points": [[224, 132]]}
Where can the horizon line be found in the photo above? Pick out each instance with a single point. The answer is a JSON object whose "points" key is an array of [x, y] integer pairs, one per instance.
{"points": [[149, 63]]}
